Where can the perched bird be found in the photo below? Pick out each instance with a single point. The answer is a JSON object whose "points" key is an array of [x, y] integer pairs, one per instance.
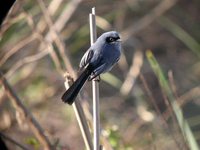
{"points": [[99, 58]]}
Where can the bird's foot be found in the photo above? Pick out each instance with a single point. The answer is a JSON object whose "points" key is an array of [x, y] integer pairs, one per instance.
{"points": [[98, 79], [95, 78]]}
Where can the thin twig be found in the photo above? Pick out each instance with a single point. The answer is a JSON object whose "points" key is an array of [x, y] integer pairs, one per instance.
{"points": [[13, 141], [25, 113], [174, 119], [173, 87]]}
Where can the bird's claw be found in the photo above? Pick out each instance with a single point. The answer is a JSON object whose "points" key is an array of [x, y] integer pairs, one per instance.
{"points": [[95, 78], [98, 79]]}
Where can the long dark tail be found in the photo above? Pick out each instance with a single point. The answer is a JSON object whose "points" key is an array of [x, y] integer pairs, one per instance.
{"points": [[70, 95]]}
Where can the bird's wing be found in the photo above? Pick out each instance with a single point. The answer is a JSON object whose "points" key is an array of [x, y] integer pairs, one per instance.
{"points": [[86, 58]]}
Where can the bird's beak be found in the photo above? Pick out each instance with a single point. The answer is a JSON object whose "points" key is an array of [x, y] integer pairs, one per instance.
{"points": [[118, 40]]}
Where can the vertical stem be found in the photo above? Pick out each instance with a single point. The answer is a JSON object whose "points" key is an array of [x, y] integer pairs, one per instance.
{"points": [[93, 33], [95, 87], [83, 124], [82, 121], [96, 118]]}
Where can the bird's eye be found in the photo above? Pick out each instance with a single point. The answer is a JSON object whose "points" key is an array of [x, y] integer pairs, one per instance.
{"points": [[110, 39]]}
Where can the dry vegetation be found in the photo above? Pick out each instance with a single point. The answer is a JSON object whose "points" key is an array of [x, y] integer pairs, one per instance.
{"points": [[150, 100]]}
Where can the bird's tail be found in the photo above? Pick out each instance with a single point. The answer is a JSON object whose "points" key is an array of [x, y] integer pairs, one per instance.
{"points": [[70, 95]]}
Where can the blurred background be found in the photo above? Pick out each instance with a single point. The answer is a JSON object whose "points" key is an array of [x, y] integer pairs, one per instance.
{"points": [[150, 99]]}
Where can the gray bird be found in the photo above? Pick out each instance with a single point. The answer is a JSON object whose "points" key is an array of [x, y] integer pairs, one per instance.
{"points": [[99, 58]]}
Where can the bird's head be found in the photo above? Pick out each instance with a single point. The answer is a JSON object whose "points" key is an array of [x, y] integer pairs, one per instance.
{"points": [[111, 37]]}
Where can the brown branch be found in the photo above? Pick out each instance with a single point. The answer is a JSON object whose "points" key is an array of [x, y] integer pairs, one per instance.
{"points": [[25, 113]]}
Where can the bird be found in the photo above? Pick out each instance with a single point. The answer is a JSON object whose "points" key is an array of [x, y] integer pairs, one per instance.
{"points": [[98, 59]]}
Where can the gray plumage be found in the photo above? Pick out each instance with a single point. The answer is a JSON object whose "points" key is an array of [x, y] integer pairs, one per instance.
{"points": [[99, 58]]}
